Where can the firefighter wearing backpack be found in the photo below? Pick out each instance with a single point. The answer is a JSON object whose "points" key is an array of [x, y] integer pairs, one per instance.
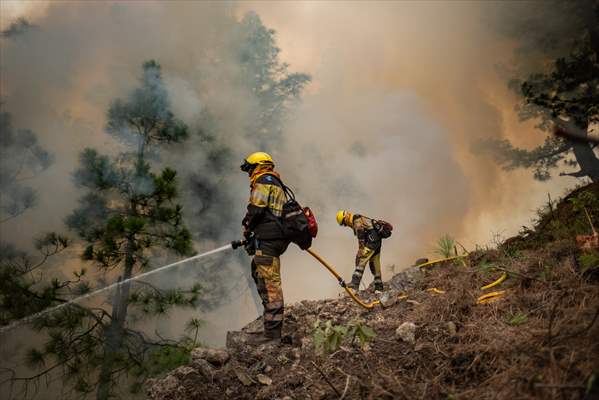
{"points": [[370, 233], [265, 206]]}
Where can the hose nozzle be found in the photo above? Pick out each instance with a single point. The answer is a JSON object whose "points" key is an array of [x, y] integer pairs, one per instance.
{"points": [[238, 243]]}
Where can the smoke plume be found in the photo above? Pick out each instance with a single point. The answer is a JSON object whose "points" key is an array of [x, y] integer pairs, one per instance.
{"points": [[399, 93]]}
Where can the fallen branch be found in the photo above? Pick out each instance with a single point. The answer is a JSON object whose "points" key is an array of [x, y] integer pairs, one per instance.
{"points": [[326, 379]]}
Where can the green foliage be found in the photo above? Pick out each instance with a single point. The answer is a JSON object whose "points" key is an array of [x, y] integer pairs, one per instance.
{"points": [[146, 113], [517, 319], [21, 293], [590, 383], [589, 261], [487, 267], [445, 246], [194, 325], [164, 358], [35, 358], [363, 333], [328, 337]]}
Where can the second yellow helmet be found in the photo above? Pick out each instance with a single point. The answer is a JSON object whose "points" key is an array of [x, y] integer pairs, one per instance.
{"points": [[343, 217]]}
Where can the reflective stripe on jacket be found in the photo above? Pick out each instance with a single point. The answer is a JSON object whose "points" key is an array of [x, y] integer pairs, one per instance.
{"points": [[265, 206]]}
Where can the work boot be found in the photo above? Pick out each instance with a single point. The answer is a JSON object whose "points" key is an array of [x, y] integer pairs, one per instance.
{"points": [[354, 284], [268, 338], [378, 286], [257, 340]]}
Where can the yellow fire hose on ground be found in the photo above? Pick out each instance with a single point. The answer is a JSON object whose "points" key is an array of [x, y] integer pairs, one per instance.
{"points": [[342, 283], [440, 260]]}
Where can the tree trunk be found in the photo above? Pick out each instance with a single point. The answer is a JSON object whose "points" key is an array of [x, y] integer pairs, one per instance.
{"points": [[586, 159], [113, 335]]}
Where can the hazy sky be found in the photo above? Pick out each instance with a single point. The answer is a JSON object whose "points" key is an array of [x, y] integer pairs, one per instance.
{"points": [[400, 93]]}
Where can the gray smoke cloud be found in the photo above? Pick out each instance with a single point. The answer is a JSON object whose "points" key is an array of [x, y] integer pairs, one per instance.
{"points": [[399, 93]]}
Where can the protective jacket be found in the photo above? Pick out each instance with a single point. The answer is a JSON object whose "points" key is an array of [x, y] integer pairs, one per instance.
{"points": [[363, 228], [265, 206]]}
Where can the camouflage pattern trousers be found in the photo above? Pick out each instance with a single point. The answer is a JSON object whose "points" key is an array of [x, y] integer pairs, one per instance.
{"points": [[372, 257], [266, 271]]}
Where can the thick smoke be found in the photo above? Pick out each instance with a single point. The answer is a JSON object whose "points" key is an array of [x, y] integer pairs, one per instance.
{"points": [[400, 91]]}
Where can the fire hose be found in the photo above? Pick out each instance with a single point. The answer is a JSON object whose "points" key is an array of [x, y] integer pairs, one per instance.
{"points": [[329, 267]]}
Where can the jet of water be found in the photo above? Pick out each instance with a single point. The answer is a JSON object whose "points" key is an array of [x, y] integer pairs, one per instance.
{"points": [[33, 317]]}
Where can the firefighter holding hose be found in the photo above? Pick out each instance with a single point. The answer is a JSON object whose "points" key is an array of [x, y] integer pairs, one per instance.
{"points": [[370, 233], [267, 240]]}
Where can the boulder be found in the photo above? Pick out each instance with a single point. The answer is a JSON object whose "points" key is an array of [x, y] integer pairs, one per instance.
{"points": [[217, 357], [406, 280]]}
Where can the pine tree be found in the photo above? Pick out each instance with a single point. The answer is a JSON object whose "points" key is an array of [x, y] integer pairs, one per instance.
{"points": [[567, 93], [273, 91], [128, 215]]}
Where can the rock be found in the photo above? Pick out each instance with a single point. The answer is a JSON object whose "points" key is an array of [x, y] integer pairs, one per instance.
{"points": [[406, 280], [203, 367], [243, 377], [263, 379], [254, 327], [162, 388], [216, 357], [407, 332], [451, 328], [188, 375], [268, 369], [168, 384], [388, 298]]}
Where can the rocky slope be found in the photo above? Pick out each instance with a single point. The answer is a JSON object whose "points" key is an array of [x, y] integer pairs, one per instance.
{"points": [[538, 339]]}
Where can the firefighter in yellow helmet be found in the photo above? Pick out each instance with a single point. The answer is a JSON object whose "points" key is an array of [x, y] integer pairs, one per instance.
{"points": [[260, 222], [369, 247]]}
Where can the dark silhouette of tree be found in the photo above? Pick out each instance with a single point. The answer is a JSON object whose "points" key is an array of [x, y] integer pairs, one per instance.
{"points": [[21, 159], [267, 78], [565, 97]]}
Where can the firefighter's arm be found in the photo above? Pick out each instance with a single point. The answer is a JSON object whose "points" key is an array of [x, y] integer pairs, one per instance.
{"points": [[257, 206]]}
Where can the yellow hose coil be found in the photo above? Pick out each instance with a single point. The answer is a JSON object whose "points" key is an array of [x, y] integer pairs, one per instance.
{"points": [[351, 293], [426, 264], [435, 290], [495, 283], [485, 298]]}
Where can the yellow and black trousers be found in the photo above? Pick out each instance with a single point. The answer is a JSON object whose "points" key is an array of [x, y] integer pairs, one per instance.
{"points": [[266, 271], [371, 256]]}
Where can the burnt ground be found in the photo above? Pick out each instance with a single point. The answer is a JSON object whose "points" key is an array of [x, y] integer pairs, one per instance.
{"points": [[540, 340]]}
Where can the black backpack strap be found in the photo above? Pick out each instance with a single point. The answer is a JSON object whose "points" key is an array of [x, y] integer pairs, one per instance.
{"points": [[286, 189]]}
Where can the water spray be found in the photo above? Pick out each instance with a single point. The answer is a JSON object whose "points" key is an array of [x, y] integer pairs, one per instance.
{"points": [[32, 317], [233, 245]]}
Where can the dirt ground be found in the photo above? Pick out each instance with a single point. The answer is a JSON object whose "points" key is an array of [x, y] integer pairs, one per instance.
{"points": [[539, 340]]}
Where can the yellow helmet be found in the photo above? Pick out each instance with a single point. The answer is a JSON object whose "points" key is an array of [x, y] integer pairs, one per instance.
{"points": [[257, 158], [344, 217]]}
